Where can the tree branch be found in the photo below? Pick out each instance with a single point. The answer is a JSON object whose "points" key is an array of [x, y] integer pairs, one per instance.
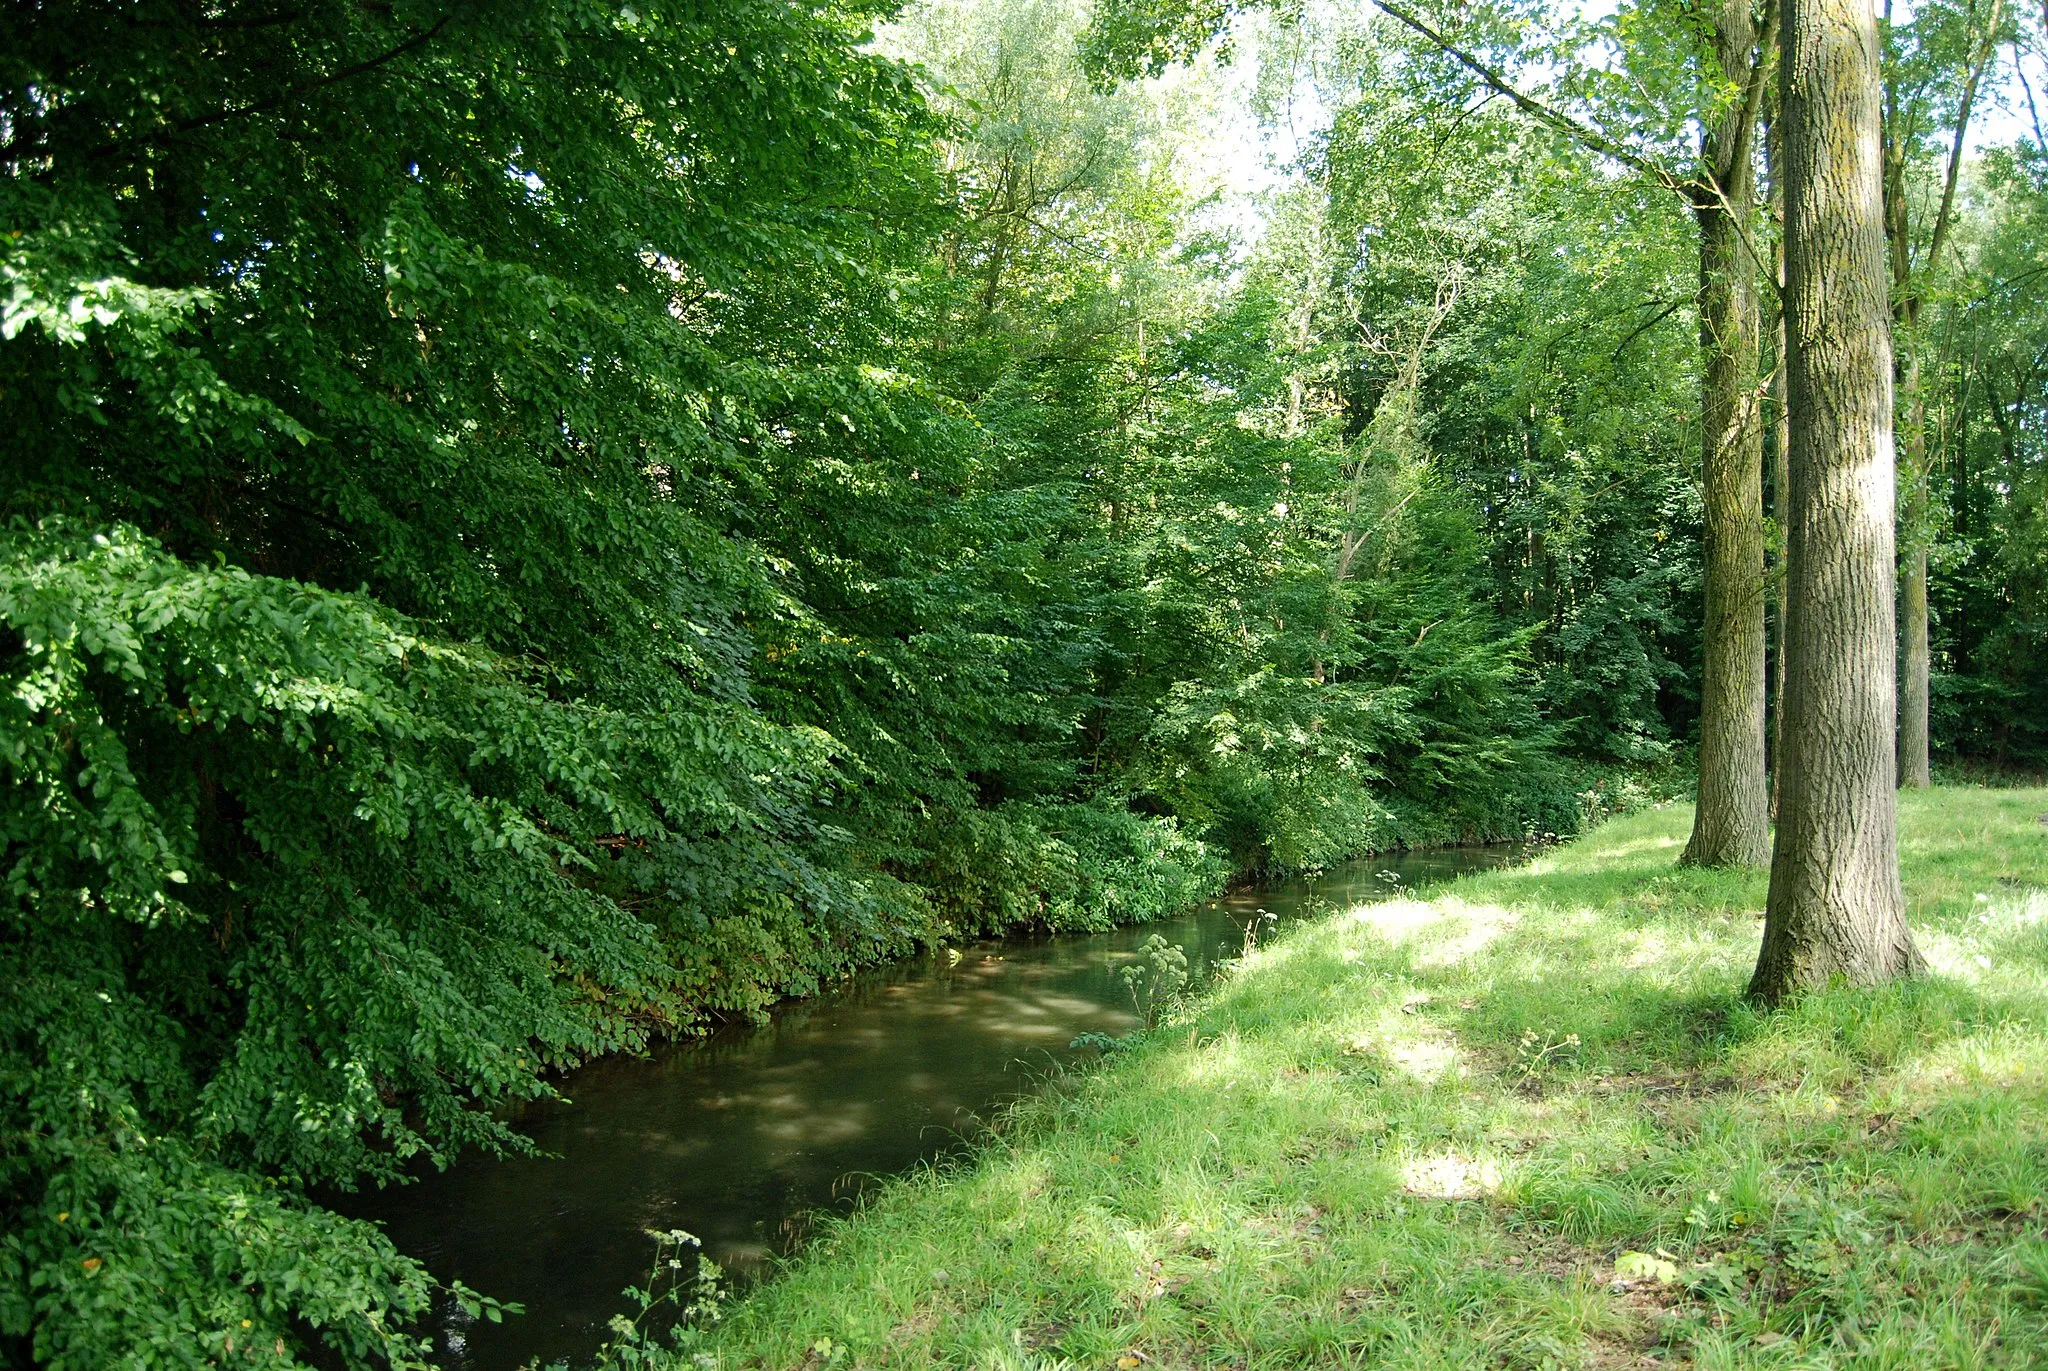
{"points": [[1659, 317], [1945, 216], [1584, 134], [418, 40], [1759, 68]]}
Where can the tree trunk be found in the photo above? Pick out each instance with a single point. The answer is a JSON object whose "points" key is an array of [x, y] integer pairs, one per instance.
{"points": [[1913, 664], [1909, 285], [1835, 909], [1731, 824], [1781, 474], [1781, 486]]}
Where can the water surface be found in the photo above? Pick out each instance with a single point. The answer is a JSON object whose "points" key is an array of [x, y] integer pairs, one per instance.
{"points": [[738, 1136]]}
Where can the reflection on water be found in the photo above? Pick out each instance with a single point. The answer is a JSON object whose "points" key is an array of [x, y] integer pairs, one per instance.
{"points": [[736, 1136]]}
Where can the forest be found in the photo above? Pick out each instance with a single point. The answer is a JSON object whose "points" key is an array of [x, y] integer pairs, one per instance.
{"points": [[533, 531]]}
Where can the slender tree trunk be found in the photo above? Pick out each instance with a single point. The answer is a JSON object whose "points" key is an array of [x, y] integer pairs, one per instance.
{"points": [[1914, 656], [1781, 485], [1781, 471], [1835, 909], [1909, 285], [1731, 821], [1731, 824]]}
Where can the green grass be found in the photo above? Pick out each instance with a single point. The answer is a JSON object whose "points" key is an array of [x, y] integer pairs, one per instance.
{"points": [[1421, 1133]]}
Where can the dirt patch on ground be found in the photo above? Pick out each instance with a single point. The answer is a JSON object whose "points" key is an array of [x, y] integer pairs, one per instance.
{"points": [[1642, 1309]]}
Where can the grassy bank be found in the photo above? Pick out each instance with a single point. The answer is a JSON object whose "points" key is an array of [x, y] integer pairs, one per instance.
{"points": [[1423, 1133]]}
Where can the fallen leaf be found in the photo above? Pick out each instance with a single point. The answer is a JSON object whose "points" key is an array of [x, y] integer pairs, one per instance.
{"points": [[1638, 1266]]}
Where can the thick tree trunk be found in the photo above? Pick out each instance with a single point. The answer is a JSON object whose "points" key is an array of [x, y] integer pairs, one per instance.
{"points": [[1914, 659], [1731, 824], [1835, 909]]}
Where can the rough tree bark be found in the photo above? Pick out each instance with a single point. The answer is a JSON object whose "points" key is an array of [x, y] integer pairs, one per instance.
{"points": [[1731, 823], [1835, 909]]}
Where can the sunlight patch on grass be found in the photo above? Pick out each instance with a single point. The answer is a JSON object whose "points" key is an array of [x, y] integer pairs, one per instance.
{"points": [[2005, 1057], [1399, 919], [1426, 1060], [1483, 925], [1958, 955], [1450, 1176]]}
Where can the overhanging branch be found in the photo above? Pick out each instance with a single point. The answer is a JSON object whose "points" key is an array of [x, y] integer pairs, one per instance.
{"points": [[1576, 129]]}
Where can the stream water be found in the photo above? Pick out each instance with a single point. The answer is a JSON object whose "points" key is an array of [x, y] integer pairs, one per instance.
{"points": [[738, 1136]]}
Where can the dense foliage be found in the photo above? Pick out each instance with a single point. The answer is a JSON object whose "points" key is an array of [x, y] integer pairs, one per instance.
{"points": [[533, 526]]}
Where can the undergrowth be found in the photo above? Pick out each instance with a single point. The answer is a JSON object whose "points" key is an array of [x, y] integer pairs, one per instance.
{"points": [[1521, 1120]]}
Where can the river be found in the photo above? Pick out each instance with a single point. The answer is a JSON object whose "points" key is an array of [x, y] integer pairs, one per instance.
{"points": [[738, 1136]]}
